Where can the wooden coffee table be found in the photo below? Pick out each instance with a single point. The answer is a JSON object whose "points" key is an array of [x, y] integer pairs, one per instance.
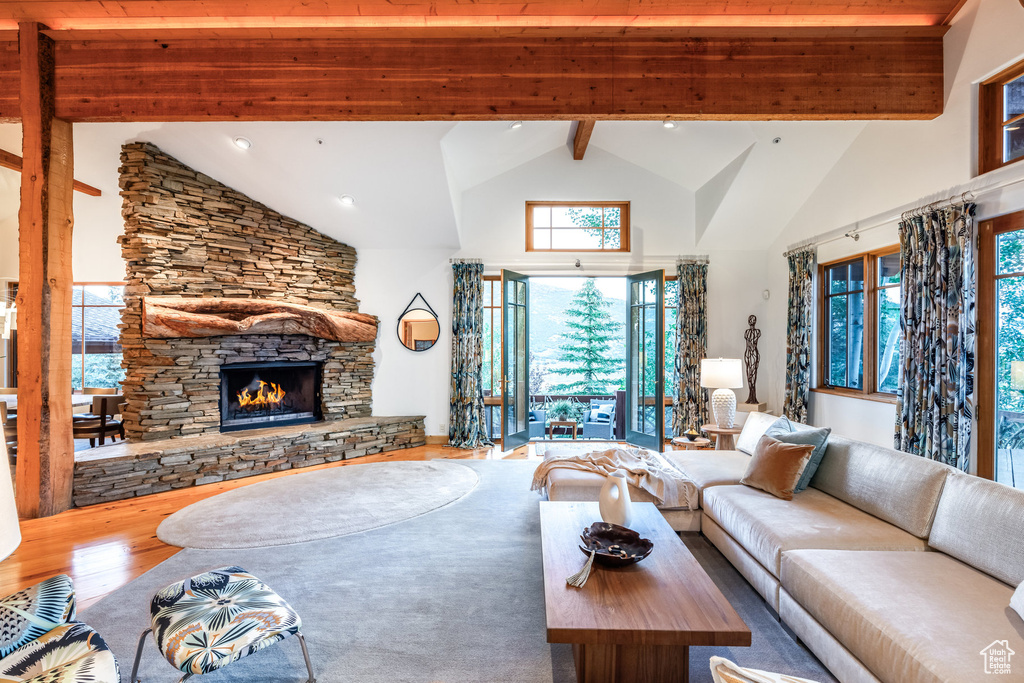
{"points": [[570, 424], [636, 623]]}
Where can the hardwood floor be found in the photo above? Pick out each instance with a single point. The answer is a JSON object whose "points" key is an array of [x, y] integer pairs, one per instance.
{"points": [[103, 547]]}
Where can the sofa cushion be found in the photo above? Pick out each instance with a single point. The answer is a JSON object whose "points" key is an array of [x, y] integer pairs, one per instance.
{"points": [[922, 617], [767, 526], [710, 468], [981, 523], [776, 467], [900, 488], [754, 428]]}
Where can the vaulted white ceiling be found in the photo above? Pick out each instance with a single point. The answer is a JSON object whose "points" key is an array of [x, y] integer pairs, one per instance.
{"points": [[408, 178]]}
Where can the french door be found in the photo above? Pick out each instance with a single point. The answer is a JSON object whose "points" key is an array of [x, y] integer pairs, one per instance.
{"points": [[1000, 362], [515, 384], [645, 360]]}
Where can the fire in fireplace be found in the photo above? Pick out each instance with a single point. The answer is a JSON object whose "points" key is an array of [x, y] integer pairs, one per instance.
{"points": [[255, 395]]}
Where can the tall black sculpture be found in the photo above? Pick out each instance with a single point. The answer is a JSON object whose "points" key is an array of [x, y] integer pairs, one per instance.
{"points": [[752, 358]]}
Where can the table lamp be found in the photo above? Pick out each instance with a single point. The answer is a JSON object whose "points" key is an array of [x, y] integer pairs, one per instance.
{"points": [[10, 532], [723, 375]]}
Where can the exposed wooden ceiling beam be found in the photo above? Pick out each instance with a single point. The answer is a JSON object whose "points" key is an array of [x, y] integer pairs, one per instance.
{"points": [[100, 14], [796, 74], [14, 162], [580, 140]]}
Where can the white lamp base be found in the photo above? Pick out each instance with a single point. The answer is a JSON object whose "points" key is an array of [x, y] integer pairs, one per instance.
{"points": [[723, 406]]}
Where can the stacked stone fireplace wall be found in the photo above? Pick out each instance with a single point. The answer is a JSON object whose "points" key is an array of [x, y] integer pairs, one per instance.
{"points": [[188, 235]]}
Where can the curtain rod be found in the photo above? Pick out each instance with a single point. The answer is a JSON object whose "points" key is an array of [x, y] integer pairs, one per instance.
{"points": [[705, 259], [853, 230]]}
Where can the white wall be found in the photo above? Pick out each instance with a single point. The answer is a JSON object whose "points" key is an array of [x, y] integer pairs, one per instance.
{"points": [[895, 164], [408, 382]]}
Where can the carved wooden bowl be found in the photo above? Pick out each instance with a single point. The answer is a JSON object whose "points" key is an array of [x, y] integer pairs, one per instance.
{"points": [[614, 545]]}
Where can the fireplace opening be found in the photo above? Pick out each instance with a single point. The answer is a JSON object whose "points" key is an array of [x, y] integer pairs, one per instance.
{"points": [[256, 395]]}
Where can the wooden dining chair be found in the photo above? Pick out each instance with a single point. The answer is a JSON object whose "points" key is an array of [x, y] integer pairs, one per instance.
{"points": [[10, 425], [101, 422]]}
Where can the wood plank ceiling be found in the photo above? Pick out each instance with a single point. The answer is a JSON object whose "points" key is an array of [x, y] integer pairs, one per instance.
{"points": [[200, 60]]}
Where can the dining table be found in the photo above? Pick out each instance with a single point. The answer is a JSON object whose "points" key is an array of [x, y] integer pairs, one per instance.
{"points": [[80, 403]]}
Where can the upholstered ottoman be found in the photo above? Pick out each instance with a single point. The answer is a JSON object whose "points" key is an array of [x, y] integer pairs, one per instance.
{"points": [[40, 641], [206, 622]]}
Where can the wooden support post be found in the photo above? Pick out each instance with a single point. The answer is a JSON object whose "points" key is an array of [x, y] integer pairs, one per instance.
{"points": [[46, 453]]}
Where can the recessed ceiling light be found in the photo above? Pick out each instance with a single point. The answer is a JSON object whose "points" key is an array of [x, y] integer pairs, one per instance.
{"points": [[515, 124], [776, 141], [347, 199], [243, 143], [669, 124]]}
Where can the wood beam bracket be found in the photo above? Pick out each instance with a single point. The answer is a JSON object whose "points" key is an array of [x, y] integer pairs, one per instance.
{"points": [[580, 140]]}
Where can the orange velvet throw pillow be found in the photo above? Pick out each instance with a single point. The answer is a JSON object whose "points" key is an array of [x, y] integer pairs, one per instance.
{"points": [[776, 467]]}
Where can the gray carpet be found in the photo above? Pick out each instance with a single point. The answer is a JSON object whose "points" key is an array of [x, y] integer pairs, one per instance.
{"points": [[455, 595], [311, 506]]}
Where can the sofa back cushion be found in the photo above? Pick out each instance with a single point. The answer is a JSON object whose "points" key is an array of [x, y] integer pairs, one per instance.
{"points": [[754, 428], [900, 488], [981, 523]]}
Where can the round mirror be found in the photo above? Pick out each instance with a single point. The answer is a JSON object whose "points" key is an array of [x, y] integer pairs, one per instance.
{"points": [[418, 329]]}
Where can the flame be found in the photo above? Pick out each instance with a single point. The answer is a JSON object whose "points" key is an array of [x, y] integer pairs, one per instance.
{"points": [[268, 396]]}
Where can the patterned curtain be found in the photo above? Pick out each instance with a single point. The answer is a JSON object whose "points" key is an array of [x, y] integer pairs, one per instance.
{"points": [[798, 334], [466, 426], [937, 319], [690, 402]]}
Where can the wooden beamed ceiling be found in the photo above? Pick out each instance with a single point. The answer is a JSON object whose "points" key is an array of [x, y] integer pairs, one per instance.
{"points": [[230, 14], [202, 60], [814, 74]]}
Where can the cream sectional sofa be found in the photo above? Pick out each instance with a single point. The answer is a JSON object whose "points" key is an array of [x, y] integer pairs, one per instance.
{"points": [[890, 567]]}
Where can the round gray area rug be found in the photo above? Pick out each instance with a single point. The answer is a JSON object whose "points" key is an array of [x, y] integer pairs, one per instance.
{"points": [[313, 505]]}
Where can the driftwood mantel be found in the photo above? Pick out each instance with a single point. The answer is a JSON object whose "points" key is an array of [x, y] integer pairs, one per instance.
{"points": [[169, 318]]}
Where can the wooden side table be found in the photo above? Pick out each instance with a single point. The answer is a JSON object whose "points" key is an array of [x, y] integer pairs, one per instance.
{"points": [[562, 423], [685, 444], [724, 440]]}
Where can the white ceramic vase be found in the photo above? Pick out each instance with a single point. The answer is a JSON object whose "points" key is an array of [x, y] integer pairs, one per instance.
{"points": [[614, 501], [723, 407]]}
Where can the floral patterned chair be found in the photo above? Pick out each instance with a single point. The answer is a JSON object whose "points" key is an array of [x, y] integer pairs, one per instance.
{"points": [[206, 622], [40, 641]]}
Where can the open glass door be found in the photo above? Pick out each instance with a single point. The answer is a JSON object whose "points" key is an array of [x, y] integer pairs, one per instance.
{"points": [[645, 360], [515, 385]]}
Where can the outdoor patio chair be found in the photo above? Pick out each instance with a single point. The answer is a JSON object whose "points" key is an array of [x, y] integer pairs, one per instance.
{"points": [[599, 421], [538, 423]]}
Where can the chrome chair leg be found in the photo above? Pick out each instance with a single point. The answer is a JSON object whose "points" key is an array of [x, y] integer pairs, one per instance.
{"points": [[305, 655], [138, 655]]}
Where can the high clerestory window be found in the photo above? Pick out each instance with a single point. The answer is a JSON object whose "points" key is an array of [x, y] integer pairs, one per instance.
{"points": [[577, 226], [1001, 119]]}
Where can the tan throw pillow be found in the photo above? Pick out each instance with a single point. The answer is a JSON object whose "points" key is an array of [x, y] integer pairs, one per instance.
{"points": [[776, 467]]}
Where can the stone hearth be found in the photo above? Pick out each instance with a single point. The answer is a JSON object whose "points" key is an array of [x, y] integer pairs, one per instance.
{"points": [[189, 237]]}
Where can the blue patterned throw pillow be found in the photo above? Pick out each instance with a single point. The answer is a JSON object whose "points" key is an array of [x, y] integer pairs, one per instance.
{"points": [[782, 429]]}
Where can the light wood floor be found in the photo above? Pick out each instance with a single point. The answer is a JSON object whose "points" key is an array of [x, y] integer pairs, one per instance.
{"points": [[103, 547]]}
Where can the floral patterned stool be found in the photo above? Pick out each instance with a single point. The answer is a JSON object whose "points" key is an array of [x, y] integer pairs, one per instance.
{"points": [[215, 618]]}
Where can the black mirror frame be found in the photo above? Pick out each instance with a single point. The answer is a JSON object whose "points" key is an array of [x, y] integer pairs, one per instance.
{"points": [[398, 325]]}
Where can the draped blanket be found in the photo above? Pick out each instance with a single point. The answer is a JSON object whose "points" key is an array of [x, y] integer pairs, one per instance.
{"points": [[640, 467]]}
